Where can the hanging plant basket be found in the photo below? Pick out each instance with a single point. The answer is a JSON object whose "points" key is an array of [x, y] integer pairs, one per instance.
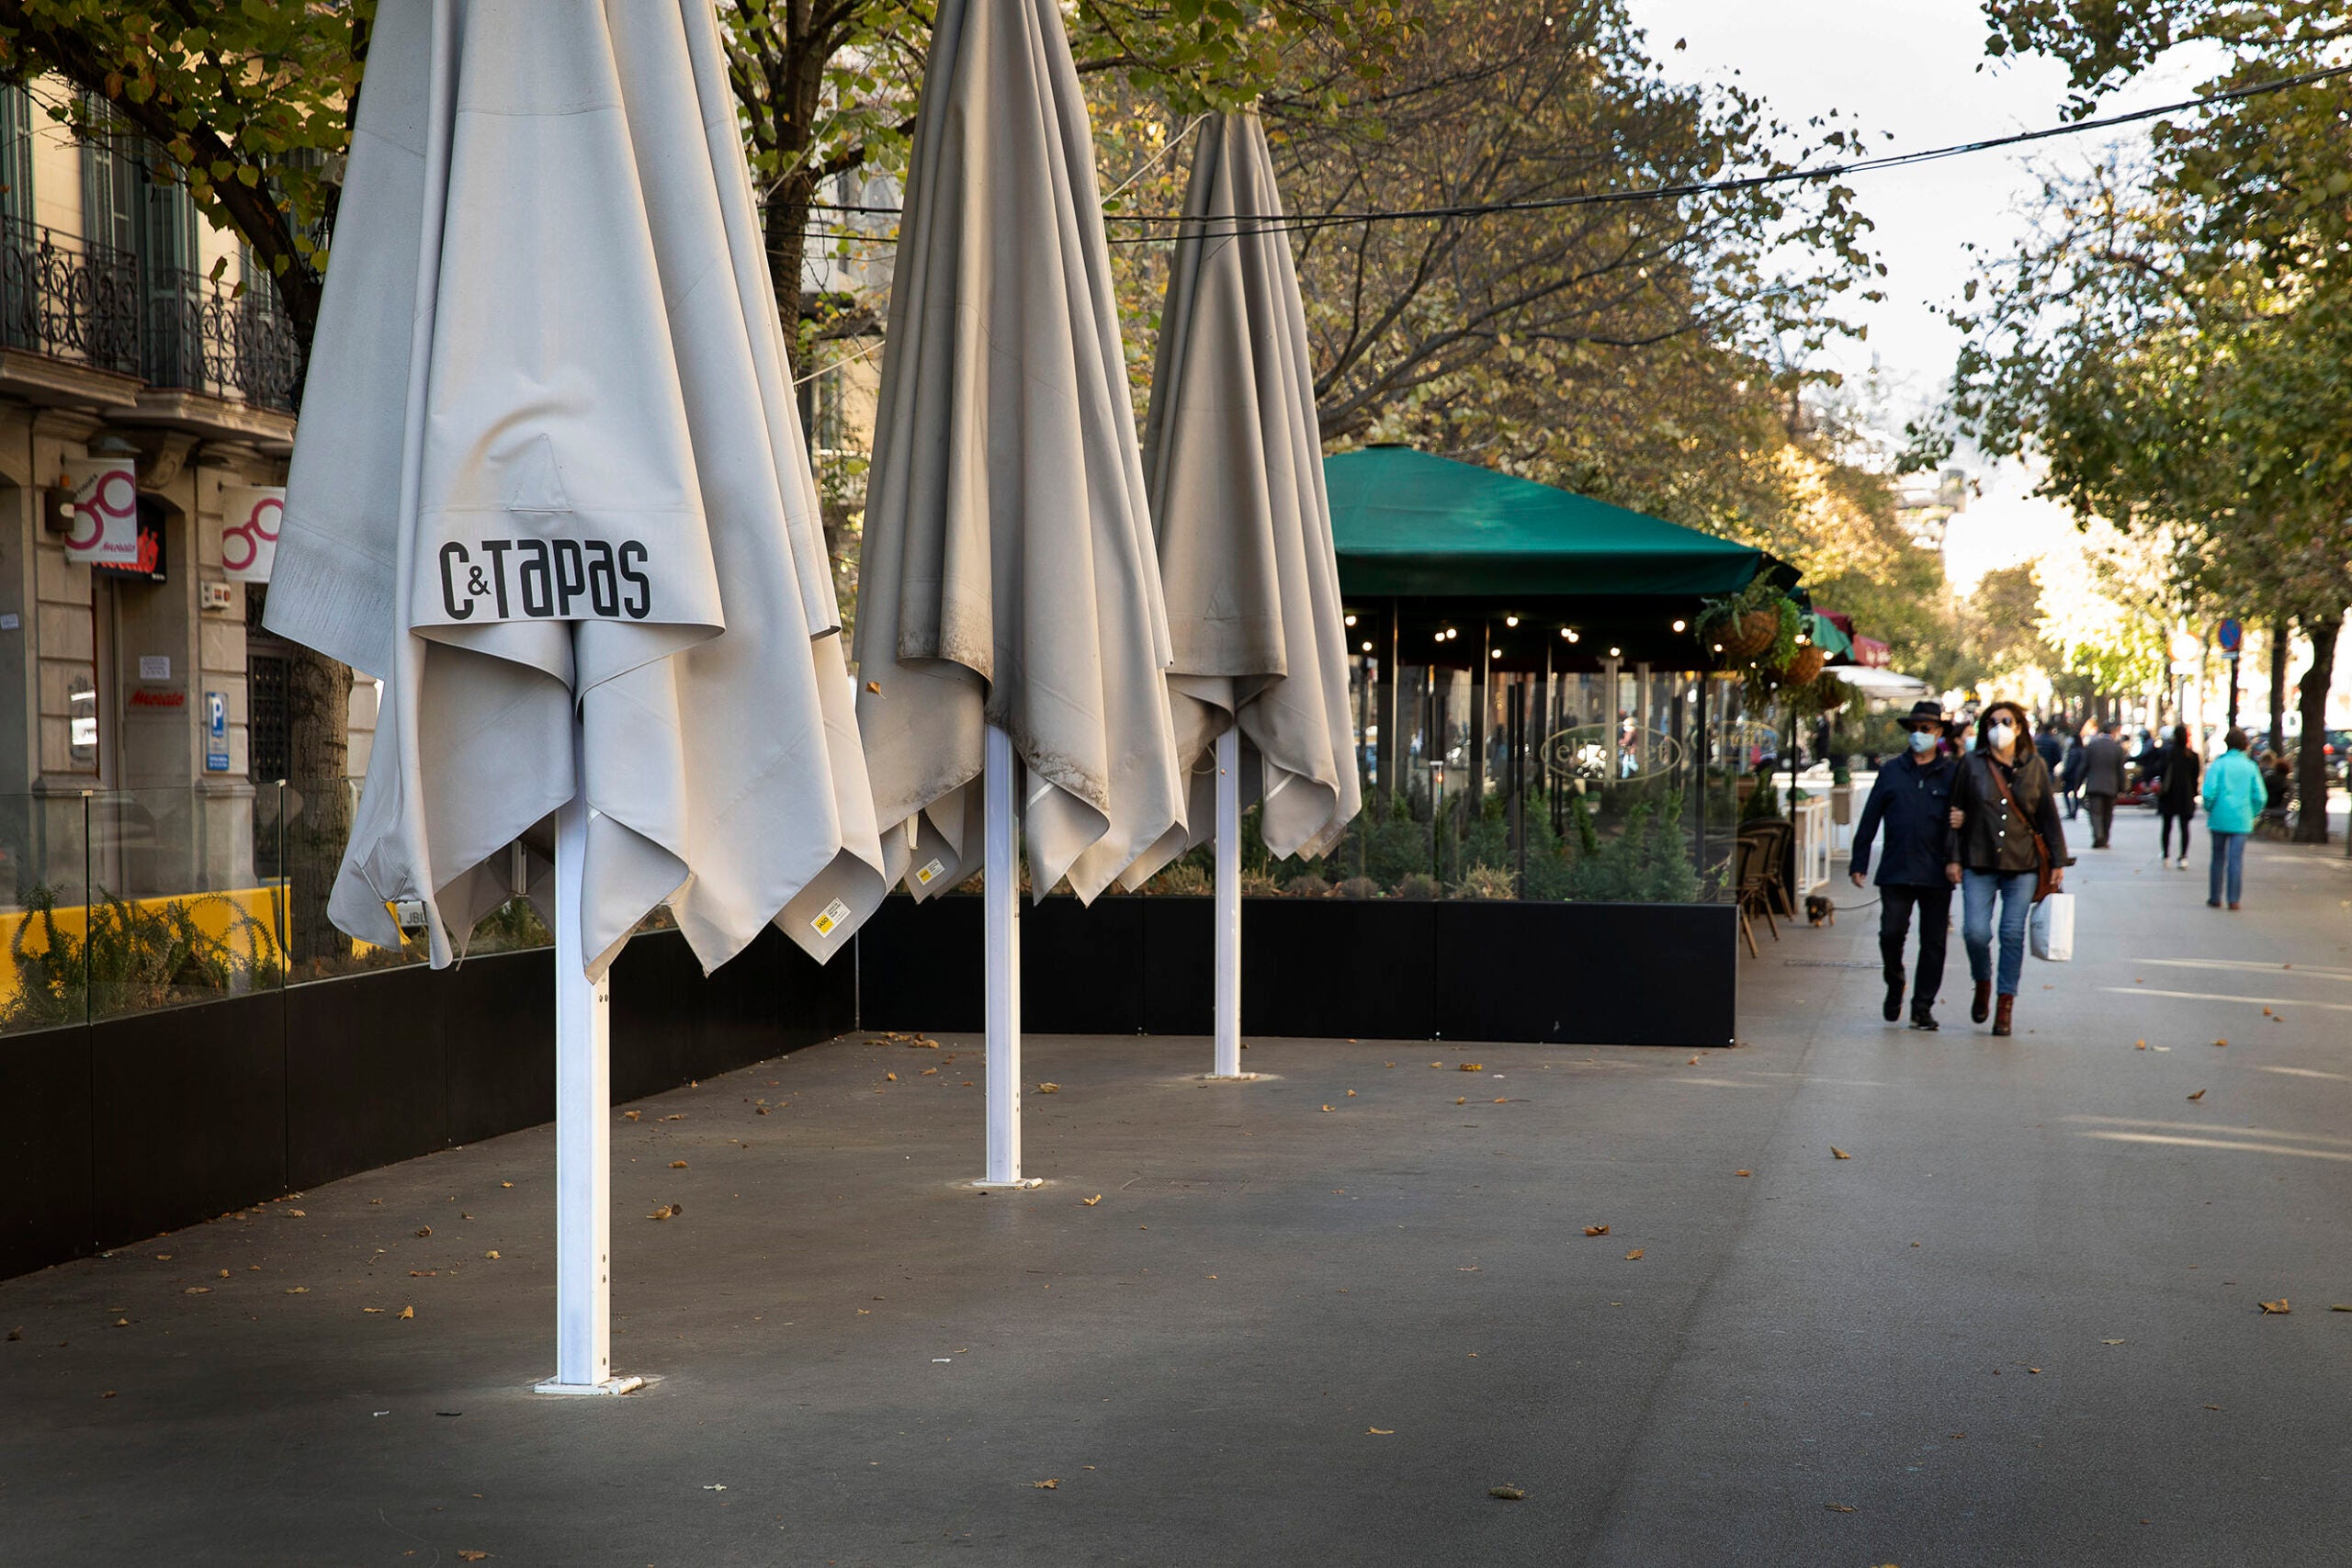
{"points": [[1831, 695], [1804, 667], [1749, 635]]}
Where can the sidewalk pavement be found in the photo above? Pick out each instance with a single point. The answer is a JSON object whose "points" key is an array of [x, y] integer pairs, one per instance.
{"points": [[1319, 1318]]}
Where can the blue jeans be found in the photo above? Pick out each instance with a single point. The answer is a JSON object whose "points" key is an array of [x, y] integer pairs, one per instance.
{"points": [[2229, 861], [1978, 889]]}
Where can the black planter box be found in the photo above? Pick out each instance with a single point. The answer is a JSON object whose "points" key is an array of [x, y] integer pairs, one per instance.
{"points": [[1386, 969]]}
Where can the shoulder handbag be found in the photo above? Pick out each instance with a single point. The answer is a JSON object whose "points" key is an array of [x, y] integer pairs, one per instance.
{"points": [[2045, 875]]}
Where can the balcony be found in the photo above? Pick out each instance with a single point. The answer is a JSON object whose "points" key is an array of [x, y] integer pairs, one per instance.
{"points": [[84, 323], [65, 300], [208, 337]]}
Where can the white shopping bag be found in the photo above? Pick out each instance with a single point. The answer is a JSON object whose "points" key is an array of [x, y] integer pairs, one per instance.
{"points": [[2053, 927]]}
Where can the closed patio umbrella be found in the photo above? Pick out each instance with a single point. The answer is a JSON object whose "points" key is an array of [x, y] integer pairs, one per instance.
{"points": [[1259, 689], [1009, 603], [549, 487]]}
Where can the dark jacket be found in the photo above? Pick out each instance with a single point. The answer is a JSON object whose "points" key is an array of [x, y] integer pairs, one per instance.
{"points": [[1913, 800], [1992, 837], [2052, 747], [2178, 794], [2077, 759], [2103, 765]]}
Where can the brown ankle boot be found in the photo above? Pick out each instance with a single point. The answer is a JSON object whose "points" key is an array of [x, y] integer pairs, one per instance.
{"points": [[2001, 1015], [1983, 1003]]}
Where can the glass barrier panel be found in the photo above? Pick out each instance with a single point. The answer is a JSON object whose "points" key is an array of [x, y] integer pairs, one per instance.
{"points": [[44, 899], [177, 912]]}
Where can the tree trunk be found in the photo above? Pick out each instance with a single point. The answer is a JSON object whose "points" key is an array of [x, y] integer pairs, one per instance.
{"points": [[2280, 635], [2311, 771], [318, 744]]}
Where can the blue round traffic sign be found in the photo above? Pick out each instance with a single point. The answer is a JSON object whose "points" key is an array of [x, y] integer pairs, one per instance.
{"points": [[2231, 635]]}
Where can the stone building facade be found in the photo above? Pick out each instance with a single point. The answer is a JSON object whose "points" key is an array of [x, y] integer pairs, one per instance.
{"points": [[137, 714]]}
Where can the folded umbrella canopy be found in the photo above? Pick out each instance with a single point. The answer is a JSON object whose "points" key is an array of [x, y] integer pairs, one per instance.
{"points": [[1009, 604], [550, 486], [1235, 463]]}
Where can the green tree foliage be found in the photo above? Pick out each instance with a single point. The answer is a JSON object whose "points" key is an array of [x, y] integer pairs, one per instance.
{"points": [[2173, 338]]}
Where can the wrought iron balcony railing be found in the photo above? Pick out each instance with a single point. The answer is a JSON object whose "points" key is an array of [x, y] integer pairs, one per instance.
{"points": [[68, 298], [209, 337]]}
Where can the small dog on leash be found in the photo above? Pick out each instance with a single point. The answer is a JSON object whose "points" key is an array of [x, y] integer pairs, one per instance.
{"points": [[1819, 911]]}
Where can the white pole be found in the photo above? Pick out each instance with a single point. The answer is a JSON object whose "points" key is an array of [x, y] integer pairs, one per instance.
{"points": [[1229, 903], [1001, 895], [583, 1151]]}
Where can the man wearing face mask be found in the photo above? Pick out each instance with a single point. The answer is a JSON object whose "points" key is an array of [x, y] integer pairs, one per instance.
{"points": [[1912, 796], [2007, 848]]}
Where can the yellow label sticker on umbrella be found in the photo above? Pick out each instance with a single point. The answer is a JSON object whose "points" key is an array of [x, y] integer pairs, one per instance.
{"points": [[928, 870], [833, 915]]}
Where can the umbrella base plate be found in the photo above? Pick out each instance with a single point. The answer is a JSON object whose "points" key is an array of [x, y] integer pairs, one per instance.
{"points": [[1232, 1078], [608, 1387], [1021, 1186]]}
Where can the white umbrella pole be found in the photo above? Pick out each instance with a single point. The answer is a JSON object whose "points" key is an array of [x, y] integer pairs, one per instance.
{"points": [[583, 1141], [1228, 904], [1000, 897]]}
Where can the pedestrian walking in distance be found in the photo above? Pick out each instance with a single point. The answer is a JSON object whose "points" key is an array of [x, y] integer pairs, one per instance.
{"points": [[1912, 800], [2235, 798], [2070, 776], [2008, 849], [2178, 771], [2103, 765]]}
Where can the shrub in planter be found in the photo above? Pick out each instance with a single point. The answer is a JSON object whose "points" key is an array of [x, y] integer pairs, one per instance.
{"points": [[1486, 882], [1359, 887], [1420, 886], [1308, 885]]}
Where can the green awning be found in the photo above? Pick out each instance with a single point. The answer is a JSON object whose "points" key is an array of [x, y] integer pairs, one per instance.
{"points": [[1412, 524], [1827, 637]]}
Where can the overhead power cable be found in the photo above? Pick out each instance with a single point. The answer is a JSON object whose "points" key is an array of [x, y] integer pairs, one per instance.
{"points": [[1309, 221]]}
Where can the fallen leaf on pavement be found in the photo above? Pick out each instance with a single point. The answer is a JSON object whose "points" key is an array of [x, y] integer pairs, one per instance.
{"points": [[1050, 1089], [1508, 1493], [2278, 1307], [2199, 1095], [1473, 1066], [677, 1165], [1327, 1108], [1632, 1255], [629, 1115], [1089, 1202], [298, 1289], [408, 1312], [304, 1213], [371, 1310], [469, 1555], [1596, 1230], [2221, 1043], [1351, 1094], [892, 1077], [2035, 1371], [666, 1211], [1841, 1507], [1380, 1431], [425, 1230], [1742, 1173], [507, 1184], [1048, 1484], [1462, 1100], [492, 1254], [2110, 1341], [1836, 1153], [2338, 1307], [2139, 1044]]}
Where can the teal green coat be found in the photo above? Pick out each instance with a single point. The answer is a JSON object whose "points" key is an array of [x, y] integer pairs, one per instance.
{"points": [[2234, 794]]}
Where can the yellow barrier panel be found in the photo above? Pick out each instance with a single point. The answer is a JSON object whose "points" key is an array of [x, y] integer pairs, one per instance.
{"points": [[229, 916]]}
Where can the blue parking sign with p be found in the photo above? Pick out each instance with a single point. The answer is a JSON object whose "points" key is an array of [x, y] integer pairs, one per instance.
{"points": [[215, 733]]}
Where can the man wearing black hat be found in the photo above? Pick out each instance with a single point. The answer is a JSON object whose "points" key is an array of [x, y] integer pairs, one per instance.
{"points": [[1912, 799]]}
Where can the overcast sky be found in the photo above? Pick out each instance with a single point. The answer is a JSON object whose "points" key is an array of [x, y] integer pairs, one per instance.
{"points": [[1911, 67]]}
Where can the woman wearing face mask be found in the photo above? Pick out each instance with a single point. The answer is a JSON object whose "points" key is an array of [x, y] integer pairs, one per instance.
{"points": [[2005, 817]]}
